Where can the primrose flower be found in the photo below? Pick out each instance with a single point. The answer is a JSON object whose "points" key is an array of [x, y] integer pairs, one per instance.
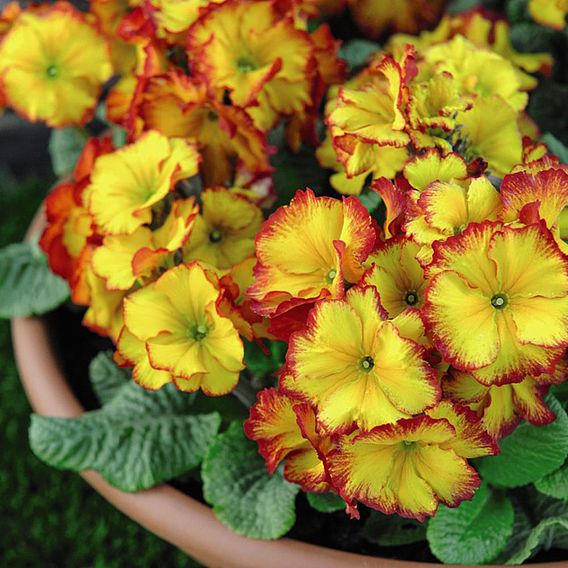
{"points": [[126, 184], [354, 366], [53, 65], [397, 275], [431, 166], [373, 17], [177, 107], [175, 16], [307, 250], [286, 429], [410, 466], [551, 13], [123, 259], [225, 230], [528, 197], [497, 301], [245, 47], [501, 407], [186, 336]]}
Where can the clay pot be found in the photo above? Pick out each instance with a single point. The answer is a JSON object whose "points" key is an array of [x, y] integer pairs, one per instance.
{"points": [[172, 515]]}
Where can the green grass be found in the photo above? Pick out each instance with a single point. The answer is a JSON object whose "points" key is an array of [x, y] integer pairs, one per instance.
{"points": [[47, 517]]}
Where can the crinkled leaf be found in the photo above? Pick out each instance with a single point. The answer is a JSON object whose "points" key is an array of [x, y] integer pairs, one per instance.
{"points": [[107, 379], [357, 52], [325, 502], [517, 11], [27, 285], [529, 453], [137, 440], [556, 147], [547, 108], [65, 147], [119, 136], [475, 532], [555, 484], [370, 199], [392, 530], [243, 495]]}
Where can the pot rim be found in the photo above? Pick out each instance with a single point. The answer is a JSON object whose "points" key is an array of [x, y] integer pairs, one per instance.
{"points": [[167, 512]]}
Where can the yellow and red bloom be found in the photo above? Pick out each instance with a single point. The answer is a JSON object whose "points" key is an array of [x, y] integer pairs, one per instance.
{"points": [[501, 407], [244, 47], [286, 429], [307, 250], [410, 466], [185, 335], [126, 184], [397, 275], [355, 367], [225, 230], [178, 107], [497, 302], [53, 65]]}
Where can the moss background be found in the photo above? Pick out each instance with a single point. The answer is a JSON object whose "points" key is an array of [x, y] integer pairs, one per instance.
{"points": [[50, 518]]}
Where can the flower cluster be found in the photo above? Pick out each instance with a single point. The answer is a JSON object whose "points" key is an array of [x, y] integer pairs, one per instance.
{"points": [[417, 345], [433, 91], [418, 333]]}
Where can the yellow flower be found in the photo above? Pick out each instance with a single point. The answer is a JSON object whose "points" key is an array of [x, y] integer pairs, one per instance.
{"points": [[175, 16], [307, 249], [497, 302], [286, 429], [53, 65], [225, 230], [123, 259], [551, 13], [126, 184], [422, 170], [178, 107], [397, 276], [410, 466], [501, 407], [245, 47], [354, 366], [177, 319]]}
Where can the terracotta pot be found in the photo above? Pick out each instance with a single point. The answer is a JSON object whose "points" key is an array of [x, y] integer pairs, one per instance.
{"points": [[167, 512]]}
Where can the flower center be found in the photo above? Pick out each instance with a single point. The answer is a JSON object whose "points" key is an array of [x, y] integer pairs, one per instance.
{"points": [[408, 444], [212, 116], [52, 71], [330, 277], [411, 298], [499, 301], [198, 332], [215, 235], [244, 65], [366, 363]]}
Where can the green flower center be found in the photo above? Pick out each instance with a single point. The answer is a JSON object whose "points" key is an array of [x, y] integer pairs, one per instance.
{"points": [[499, 301], [330, 277], [215, 235], [212, 116], [52, 71], [409, 444], [366, 364], [198, 332], [411, 298], [244, 65]]}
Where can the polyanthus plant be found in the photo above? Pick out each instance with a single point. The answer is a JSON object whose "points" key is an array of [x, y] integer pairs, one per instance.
{"points": [[374, 270]]}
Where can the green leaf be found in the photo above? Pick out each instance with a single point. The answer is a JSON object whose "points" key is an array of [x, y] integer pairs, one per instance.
{"points": [[265, 364], [357, 52], [528, 37], [473, 533], [65, 147], [529, 453], [243, 495], [392, 530], [107, 379], [370, 199], [27, 285], [544, 533], [325, 502], [137, 440], [517, 11], [119, 136], [555, 484], [556, 147]]}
